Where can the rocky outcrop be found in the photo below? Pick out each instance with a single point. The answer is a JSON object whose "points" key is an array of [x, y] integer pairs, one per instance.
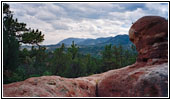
{"points": [[138, 80], [148, 77], [51, 86], [150, 35]]}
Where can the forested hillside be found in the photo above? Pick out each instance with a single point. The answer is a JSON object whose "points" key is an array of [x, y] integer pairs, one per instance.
{"points": [[91, 46]]}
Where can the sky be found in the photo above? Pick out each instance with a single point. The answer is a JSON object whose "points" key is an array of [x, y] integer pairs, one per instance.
{"points": [[59, 21]]}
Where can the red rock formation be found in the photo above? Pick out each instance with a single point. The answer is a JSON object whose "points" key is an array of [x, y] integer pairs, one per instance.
{"points": [[135, 81], [150, 35], [53, 86], [50, 86], [148, 77]]}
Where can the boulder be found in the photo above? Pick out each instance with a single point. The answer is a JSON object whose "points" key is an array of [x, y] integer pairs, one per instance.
{"points": [[148, 77], [150, 36]]}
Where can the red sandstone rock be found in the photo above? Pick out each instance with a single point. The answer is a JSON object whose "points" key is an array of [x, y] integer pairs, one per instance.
{"points": [[50, 86], [150, 36], [148, 77], [135, 81]]}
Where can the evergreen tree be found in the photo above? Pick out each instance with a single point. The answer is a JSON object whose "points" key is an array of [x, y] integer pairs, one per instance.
{"points": [[73, 50], [15, 34], [107, 56], [10, 42], [90, 65]]}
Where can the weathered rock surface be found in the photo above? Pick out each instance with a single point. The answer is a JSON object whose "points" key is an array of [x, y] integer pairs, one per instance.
{"points": [[148, 77], [150, 35], [51, 86], [135, 81]]}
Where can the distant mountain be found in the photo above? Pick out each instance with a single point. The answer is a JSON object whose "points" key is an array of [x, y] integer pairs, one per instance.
{"points": [[94, 41], [52, 47], [118, 40], [95, 50], [84, 42], [92, 46], [68, 41]]}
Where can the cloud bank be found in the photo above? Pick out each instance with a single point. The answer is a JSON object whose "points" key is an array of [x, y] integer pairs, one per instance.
{"points": [[84, 20]]}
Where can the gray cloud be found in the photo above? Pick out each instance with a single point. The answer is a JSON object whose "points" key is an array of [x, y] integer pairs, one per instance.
{"points": [[84, 20]]}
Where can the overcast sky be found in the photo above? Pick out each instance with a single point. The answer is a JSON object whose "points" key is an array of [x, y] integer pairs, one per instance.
{"points": [[83, 20]]}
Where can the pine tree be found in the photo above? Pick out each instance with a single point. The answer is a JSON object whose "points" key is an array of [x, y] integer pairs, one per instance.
{"points": [[73, 50], [15, 34]]}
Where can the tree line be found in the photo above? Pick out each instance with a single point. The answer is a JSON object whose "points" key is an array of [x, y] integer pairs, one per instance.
{"points": [[68, 62]]}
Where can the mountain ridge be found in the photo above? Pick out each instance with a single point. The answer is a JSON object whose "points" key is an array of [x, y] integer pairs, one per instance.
{"points": [[92, 46], [118, 39], [68, 41]]}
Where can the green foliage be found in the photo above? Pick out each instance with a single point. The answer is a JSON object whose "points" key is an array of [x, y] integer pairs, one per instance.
{"points": [[107, 56], [59, 61], [38, 62], [73, 50], [14, 78], [47, 73], [15, 33], [32, 37], [10, 43], [118, 57]]}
